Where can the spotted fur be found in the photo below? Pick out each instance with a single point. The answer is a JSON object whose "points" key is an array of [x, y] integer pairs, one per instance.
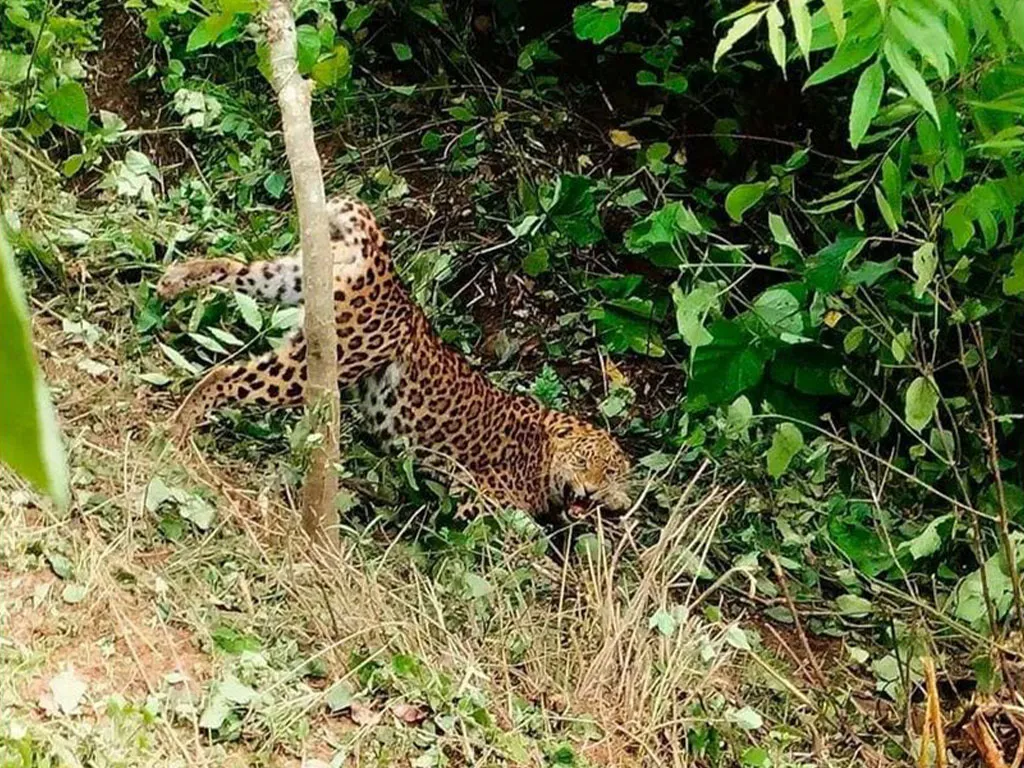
{"points": [[413, 388]]}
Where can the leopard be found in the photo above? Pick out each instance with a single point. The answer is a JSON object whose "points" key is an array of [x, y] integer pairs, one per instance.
{"points": [[497, 449]]}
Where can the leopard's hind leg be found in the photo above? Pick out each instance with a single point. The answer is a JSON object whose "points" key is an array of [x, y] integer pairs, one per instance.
{"points": [[276, 379]]}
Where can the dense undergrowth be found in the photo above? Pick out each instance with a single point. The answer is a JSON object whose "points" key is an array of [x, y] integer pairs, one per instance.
{"points": [[773, 247]]}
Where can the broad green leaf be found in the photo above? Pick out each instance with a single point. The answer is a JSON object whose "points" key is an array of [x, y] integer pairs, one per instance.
{"points": [[929, 540], [1013, 283], [691, 310], [781, 233], [29, 439], [777, 35], [573, 211], [786, 443], [663, 227], [537, 262], [330, 69], [69, 106], [402, 51], [179, 359], [826, 267], [663, 621], [746, 718], [738, 416], [249, 310], [209, 30], [13, 67], [339, 696], [778, 312], [853, 605], [928, 34], [924, 263], [901, 345], [742, 27], [969, 597], [920, 402], [358, 16], [590, 22], [911, 78], [801, 27], [853, 339], [742, 197], [308, 47], [866, 100], [727, 367], [835, 11]]}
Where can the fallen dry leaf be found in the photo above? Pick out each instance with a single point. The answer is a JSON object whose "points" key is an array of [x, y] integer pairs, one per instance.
{"points": [[623, 139], [65, 695], [409, 713], [362, 714]]}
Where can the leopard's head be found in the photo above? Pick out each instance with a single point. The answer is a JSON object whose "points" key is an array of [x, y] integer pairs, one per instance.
{"points": [[587, 465]]}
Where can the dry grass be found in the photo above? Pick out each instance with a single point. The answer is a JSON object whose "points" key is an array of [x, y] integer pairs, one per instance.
{"points": [[553, 651]]}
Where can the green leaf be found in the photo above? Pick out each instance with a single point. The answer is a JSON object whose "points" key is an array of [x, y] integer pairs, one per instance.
{"points": [[308, 47], [777, 36], [786, 443], [924, 263], [920, 402], [69, 106], [885, 209], [179, 359], [358, 16], [1013, 283], [853, 605], [781, 233], [740, 28], [911, 78], [738, 417], [746, 718], [691, 309], [849, 55], [727, 367], [663, 227], [215, 712], [777, 311], [339, 696], [825, 269], [834, 9], [596, 24], [249, 310], [929, 540], [29, 439], [402, 51], [431, 141], [13, 67], [208, 30], [663, 621], [537, 262], [853, 339], [901, 345], [330, 69], [573, 211], [866, 100], [742, 197], [274, 184], [801, 27]]}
